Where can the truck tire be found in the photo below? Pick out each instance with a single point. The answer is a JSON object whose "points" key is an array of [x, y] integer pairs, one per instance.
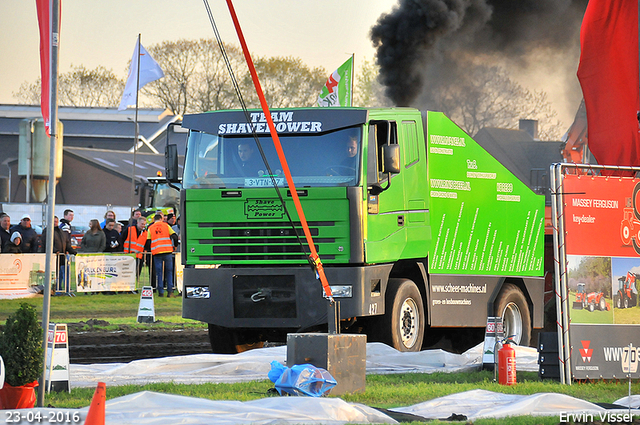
{"points": [[512, 306], [230, 341], [403, 323]]}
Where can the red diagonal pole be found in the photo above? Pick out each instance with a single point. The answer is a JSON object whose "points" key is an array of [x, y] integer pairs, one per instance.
{"points": [[283, 161]]}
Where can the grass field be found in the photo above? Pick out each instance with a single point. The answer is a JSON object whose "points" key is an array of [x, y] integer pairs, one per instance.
{"points": [[118, 309], [382, 391], [629, 315], [586, 316]]}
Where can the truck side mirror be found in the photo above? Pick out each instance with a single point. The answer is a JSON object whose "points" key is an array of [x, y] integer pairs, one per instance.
{"points": [[171, 163], [391, 155]]}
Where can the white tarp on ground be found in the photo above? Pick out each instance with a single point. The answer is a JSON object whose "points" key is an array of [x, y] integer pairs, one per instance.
{"points": [[255, 364], [477, 404], [164, 409], [150, 408]]}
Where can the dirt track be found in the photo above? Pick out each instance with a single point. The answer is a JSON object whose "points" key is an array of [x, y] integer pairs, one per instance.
{"points": [[126, 344]]}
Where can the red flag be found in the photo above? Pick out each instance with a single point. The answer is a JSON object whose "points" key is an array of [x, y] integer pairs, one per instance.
{"points": [[47, 40], [608, 74]]}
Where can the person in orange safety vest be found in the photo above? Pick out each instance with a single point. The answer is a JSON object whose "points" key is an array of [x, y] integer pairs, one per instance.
{"points": [[135, 240], [162, 239]]}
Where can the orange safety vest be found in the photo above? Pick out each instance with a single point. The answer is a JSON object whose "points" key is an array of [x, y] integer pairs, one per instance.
{"points": [[160, 238], [134, 242]]}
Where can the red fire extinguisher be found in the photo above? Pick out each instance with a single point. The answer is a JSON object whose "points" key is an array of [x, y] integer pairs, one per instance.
{"points": [[507, 364]]}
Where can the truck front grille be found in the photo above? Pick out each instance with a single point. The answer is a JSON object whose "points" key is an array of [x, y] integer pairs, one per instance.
{"points": [[230, 242]]}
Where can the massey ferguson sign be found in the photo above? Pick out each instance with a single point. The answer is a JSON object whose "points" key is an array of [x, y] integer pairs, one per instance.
{"points": [[602, 236]]}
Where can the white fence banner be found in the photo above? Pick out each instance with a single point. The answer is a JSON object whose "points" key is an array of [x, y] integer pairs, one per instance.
{"points": [[20, 274], [100, 272]]}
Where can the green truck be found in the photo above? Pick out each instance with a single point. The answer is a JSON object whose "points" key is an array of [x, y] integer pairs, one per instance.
{"points": [[418, 228]]}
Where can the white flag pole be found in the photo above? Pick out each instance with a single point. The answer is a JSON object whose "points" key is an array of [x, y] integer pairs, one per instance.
{"points": [[135, 141], [53, 139]]}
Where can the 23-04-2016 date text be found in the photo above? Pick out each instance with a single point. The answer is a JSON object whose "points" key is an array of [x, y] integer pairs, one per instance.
{"points": [[36, 417]]}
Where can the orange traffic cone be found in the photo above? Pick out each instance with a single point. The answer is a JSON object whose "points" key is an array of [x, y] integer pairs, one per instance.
{"points": [[95, 416]]}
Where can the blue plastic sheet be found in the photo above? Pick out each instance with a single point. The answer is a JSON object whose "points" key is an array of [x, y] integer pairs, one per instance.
{"points": [[301, 380]]}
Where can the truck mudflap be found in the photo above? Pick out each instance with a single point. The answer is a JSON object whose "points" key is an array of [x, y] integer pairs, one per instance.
{"points": [[466, 300], [280, 297]]}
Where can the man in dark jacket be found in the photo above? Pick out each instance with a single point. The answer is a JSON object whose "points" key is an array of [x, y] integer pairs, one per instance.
{"points": [[30, 240], [5, 236], [114, 244], [61, 247]]}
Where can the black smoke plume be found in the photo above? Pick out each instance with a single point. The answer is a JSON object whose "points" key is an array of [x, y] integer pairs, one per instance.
{"points": [[422, 43]]}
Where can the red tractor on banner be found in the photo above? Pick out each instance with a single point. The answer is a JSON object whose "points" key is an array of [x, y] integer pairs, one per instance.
{"points": [[627, 295], [590, 300]]}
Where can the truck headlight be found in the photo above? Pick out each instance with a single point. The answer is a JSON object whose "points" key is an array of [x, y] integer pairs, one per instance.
{"points": [[341, 291], [198, 292]]}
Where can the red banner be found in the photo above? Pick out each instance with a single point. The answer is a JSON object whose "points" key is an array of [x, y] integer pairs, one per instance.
{"points": [[47, 40], [602, 215], [608, 74]]}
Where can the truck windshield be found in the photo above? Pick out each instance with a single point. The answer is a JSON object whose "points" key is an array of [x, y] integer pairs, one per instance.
{"points": [[329, 159]]}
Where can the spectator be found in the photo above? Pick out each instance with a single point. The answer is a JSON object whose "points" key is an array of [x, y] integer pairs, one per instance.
{"points": [[65, 226], [65, 223], [161, 236], [133, 221], [61, 247], [30, 241], [176, 228], [135, 240], [108, 214], [112, 237], [171, 219], [94, 240], [15, 244], [5, 224]]}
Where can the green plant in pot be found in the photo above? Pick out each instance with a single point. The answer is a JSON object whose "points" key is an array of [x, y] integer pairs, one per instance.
{"points": [[22, 353]]}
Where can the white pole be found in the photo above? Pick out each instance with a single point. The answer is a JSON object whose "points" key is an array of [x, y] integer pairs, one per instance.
{"points": [[135, 141], [53, 140]]}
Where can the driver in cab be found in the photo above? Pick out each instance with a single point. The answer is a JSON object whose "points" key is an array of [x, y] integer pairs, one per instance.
{"points": [[249, 165]]}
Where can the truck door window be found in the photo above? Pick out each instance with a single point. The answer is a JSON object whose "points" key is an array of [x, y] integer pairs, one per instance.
{"points": [[410, 137], [380, 133]]}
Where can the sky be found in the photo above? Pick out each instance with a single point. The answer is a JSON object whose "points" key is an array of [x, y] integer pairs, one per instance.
{"points": [[103, 33], [93, 33]]}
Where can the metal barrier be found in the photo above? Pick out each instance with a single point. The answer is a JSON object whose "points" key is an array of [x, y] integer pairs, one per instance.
{"points": [[84, 272]]}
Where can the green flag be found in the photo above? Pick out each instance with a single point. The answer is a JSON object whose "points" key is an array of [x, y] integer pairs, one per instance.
{"points": [[337, 89]]}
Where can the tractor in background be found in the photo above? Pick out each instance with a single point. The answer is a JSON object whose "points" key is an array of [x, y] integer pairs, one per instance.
{"points": [[590, 300], [627, 295]]}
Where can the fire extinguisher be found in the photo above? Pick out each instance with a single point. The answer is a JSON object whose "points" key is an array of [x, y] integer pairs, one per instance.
{"points": [[507, 364]]}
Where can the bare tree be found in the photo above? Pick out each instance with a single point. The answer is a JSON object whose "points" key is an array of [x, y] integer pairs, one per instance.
{"points": [[79, 87], [286, 81], [479, 96], [195, 76]]}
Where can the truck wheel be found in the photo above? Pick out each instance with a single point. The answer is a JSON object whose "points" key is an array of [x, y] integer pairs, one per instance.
{"points": [[603, 304], [403, 323], [230, 341], [512, 306]]}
